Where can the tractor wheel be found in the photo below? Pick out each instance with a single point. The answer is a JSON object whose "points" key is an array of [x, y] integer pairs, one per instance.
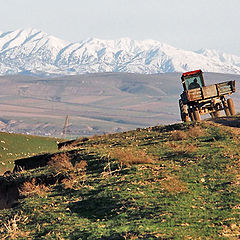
{"points": [[183, 112], [196, 115], [185, 117], [231, 106], [217, 114], [226, 108], [212, 115], [191, 115]]}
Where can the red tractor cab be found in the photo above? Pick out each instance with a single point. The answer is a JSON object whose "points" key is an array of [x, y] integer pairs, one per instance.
{"points": [[191, 80]]}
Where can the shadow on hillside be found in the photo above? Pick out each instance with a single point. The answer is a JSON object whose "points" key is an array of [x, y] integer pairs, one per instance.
{"points": [[99, 209], [95, 208], [228, 121], [84, 234]]}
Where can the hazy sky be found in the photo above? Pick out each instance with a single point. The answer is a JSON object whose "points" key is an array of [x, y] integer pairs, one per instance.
{"points": [[187, 24]]}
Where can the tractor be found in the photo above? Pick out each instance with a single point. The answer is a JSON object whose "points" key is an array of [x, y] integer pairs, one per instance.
{"points": [[198, 99]]}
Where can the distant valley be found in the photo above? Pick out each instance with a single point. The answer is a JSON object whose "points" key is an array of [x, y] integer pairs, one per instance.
{"points": [[96, 103]]}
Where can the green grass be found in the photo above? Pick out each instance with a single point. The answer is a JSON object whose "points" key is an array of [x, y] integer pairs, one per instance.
{"points": [[16, 146], [190, 191]]}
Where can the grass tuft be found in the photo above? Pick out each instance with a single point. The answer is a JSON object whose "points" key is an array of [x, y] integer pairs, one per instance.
{"points": [[12, 231], [31, 188], [195, 132], [178, 135], [75, 180], [173, 184], [129, 156], [61, 162]]}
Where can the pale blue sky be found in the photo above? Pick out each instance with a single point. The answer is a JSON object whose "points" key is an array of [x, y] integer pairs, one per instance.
{"points": [[187, 24]]}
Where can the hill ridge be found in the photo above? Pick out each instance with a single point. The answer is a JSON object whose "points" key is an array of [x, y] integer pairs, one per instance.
{"points": [[32, 51]]}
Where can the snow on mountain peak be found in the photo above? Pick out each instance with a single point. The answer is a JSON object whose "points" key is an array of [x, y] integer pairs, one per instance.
{"points": [[34, 51]]}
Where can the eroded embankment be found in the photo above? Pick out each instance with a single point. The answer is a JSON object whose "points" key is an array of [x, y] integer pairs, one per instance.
{"points": [[10, 183], [9, 194]]}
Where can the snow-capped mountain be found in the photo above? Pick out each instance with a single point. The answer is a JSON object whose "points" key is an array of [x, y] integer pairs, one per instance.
{"points": [[36, 52]]}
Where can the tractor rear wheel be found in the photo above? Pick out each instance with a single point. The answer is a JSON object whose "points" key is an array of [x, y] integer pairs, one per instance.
{"points": [[212, 115], [191, 114], [226, 108], [196, 115], [231, 106]]}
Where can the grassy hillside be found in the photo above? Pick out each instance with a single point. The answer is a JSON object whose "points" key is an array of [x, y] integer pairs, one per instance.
{"points": [[15, 146], [166, 182]]}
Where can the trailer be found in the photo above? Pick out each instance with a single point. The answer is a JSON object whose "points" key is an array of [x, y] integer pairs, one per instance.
{"points": [[198, 99]]}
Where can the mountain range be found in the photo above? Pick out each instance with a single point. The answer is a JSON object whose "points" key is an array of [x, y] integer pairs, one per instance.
{"points": [[34, 52]]}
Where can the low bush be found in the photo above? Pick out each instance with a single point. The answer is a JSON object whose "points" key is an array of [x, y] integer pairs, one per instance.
{"points": [[61, 162], [173, 184], [195, 132], [81, 166], [178, 135], [181, 148], [130, 156], [76, 179], [11, 230], [31, 188]]}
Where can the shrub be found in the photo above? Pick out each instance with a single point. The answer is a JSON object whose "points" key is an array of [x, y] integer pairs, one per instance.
{"points": [[61, 162], [76, 179], [173, 184], [31, 188], [81, 166], [178, 135], [70, 181], [11, 229], [195, 132], [182, 148], [130, 156]]}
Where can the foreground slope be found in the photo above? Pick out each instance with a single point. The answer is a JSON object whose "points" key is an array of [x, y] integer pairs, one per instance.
{"points": [[166, 182]]}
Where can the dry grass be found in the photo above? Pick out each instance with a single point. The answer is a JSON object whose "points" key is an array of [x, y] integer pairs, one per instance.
{"points": [[234, 168], [94, 137], [76, 179], [61, 162], [178, 135], [131, 236], [11, 230], [130, 156], [31, 188], [182, 148], [232, 231], [81, 166], [173, 184], [195, 132], [70, 182]]}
